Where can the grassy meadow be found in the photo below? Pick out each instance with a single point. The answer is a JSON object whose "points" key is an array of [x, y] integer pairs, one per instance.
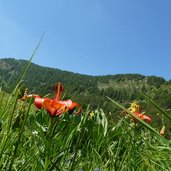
{"points": [[33, 140]]}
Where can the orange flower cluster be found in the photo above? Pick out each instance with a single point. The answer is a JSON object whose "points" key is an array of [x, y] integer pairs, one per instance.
{"points": [[136, 110], [55, 106]]}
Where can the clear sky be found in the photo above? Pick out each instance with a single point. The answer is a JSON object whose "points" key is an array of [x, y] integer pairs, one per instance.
{"points": [[94, 37]]}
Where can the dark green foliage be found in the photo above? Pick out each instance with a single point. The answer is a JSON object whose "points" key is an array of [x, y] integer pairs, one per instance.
{"points": [[85, 89], [156, 81]]}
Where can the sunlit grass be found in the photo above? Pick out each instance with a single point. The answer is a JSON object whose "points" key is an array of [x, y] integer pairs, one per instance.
{"points": [[31, 140]]}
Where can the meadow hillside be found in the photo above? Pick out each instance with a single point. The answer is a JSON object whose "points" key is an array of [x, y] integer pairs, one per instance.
{"points": [[86, 89]]}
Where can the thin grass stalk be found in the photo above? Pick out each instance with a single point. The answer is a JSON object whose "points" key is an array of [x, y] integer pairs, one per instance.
{"points": [[157, 106], [3, 103], [8, 102], [125, 156], [53, 165], [23, 167], [48, 145], [29, 62], [19, 136], [23, 73], [76, 149], [14, 93], [141, 121], [7, 129], [77, 144]]}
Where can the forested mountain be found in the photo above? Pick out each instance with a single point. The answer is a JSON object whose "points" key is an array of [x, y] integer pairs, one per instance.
{"points": [[86, 89]]}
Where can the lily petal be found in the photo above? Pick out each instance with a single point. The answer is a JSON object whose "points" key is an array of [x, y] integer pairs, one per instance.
{"points": [[74, 104], [38, 101], [141, 116], [59, 108], [47, 104], [71, 105], [146, 118]]}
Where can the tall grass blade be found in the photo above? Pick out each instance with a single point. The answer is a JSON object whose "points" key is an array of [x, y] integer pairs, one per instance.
{"points": [[29, 62], [7, 129], [157, 106], [12, 102], [141, 121], [19, 136]]}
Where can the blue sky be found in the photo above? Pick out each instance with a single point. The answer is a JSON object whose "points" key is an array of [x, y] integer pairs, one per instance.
{"points": [[94, 37]]}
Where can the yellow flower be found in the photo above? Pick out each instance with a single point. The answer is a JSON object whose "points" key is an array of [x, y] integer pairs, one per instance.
{"points": [[135, 107], [91, 114]]}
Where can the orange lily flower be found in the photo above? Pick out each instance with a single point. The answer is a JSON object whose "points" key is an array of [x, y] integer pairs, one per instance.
{"points": [[135, 108], [141, 116], [55, 106]]}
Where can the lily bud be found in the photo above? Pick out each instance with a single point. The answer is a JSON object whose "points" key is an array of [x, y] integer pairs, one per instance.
{"points": [[162, 131]]}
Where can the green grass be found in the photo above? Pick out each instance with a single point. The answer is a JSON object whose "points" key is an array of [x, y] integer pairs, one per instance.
{"points": [[32, 140]]}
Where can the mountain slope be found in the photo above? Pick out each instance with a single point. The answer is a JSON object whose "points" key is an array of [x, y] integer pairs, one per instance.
{"points": [[83, 88]]}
